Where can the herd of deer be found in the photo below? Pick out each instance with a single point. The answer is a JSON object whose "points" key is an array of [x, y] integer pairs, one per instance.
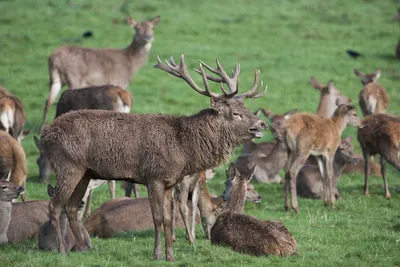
{"points": [[174, 155]]}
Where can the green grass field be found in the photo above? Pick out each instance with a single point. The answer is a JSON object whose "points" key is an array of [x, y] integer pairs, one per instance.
{"points": [[289, 41]]}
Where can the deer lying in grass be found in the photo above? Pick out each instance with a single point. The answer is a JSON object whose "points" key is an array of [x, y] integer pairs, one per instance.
{"points": [[13, 161], [47, 239], [244, 233], [309, 181], [8, 192], [329, 94], [155, 150], [310, 134], [123, 215], [80, 67], [269, 157], [380, 134], [373, 98], [12, 115]]}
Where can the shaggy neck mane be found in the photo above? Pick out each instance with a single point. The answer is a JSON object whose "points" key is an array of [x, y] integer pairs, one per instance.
{"points": [[208, 140]]}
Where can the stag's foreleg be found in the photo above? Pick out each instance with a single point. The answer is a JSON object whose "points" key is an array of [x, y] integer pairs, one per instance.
{"points": [[155, 191], [71, 208], [169, 251]]}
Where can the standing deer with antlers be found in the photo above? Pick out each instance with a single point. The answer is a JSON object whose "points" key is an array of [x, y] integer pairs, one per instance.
{"points": [[151, 149]]}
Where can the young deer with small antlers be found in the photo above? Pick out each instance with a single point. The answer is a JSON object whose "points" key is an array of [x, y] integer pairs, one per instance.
{"points": [[380, 134], [80, 67], [13, 161], [154, 150], [310, 134], [244, 233], [373, 97]]}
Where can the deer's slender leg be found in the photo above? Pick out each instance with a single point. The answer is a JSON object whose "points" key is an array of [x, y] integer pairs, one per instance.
{"points": [[286, 185], [183, 207], [128, 188], [366, 168], [156, 197], [298, 162], [169, 252], [383, 172], [195, 201], [88, 202], [329, 176], [111, 186], [72, 207], [136, 190]]}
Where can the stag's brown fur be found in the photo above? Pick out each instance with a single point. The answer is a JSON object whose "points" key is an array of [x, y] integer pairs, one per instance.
{"points": [[373, 97], [12, 158], [12, 115], [8, 192], [309, 134], [80, 67], [309, 180], [155, 150], [247, 234], [380, 134]]}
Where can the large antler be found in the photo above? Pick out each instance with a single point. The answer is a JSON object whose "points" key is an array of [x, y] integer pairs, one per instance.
{"points": [[180, 71]]}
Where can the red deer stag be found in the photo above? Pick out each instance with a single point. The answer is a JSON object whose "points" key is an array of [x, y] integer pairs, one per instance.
{"points": [[80, 67], [154, 150], [380, 134]]}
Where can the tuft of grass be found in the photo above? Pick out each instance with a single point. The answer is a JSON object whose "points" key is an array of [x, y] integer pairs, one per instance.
{"points": [[289, 41]]}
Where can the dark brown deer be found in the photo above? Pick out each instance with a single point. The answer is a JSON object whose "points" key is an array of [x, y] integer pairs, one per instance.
{"points": [[154, 150], [329, 94], [79, 67], [269, 157], [373, 97], [244, 233], [8, 192], [309, 180], [13, 161], [380, 134], [12, 115], [309, 134]]}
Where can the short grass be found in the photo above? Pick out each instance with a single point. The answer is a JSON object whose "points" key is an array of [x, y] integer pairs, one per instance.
{"points": [[289, 41]]}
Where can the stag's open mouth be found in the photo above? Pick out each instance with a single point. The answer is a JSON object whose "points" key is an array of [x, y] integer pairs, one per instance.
{"points": [[256, 133]]}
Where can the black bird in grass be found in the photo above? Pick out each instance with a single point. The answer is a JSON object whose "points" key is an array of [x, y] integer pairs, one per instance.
{"points": [[353, 54], [87, 34]]}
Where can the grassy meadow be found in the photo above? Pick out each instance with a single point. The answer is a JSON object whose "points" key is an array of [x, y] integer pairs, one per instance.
{"points": [[289, 41]]}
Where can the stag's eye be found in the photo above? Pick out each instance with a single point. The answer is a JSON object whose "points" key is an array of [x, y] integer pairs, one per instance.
{"points": [[237, 115], [4, 187]]}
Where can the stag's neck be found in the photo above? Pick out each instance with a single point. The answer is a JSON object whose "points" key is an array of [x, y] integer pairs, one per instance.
{"points": [[137, 54], [209, 141]]}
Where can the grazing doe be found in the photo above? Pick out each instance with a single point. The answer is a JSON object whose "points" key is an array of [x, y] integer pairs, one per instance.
{"points": [[244, 233], [380, 134], [80, 67], [154, 150], [309, 134], [329, 94], [373, 97], [269, 157], [309, 180], [13, 161], [8, 192], [12, 115]]}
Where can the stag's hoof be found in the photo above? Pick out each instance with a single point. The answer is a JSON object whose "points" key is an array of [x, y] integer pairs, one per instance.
{"points": [[81, 248], [170, 258], [157, 255]]}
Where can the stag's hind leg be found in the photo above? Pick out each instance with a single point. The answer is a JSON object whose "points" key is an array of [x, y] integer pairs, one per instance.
{"points": [[71, 208]]}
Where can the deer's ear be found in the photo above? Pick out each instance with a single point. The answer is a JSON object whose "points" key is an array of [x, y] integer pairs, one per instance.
{"points": [[216, 104], [377, 74], [331, 86], [50, 190], [231, 172], [289, 114], [316, 84], [155, 20], [131, 22], [251, 173]]}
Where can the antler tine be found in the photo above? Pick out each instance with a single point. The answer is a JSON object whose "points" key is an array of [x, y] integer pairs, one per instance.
{"points": [[167, 68], [255, 91], [210, 78], [232, 82]]}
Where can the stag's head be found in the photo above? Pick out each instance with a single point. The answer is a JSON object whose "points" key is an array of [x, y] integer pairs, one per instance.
{"points": [[8, 190], [228, 106], [144, 29], [368, 78], [345, 152], [45, 169]]}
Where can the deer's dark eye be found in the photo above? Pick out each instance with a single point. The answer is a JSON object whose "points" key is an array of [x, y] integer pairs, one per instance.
{"points": [[4, 187]]}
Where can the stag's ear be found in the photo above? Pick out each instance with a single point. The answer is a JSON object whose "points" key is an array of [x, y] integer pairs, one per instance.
{"points": [[131, 22], [6, 177], [155, 20], [216, 104], [50, 190]]}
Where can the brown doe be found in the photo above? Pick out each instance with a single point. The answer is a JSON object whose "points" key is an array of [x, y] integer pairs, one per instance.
{"points": [[269, 157], [8, 192], [373, 97], [309, 180], [309, 134], [245, 233], [13, 161], [380, 134], [80, 67], [12, 115], [154, 150]]}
